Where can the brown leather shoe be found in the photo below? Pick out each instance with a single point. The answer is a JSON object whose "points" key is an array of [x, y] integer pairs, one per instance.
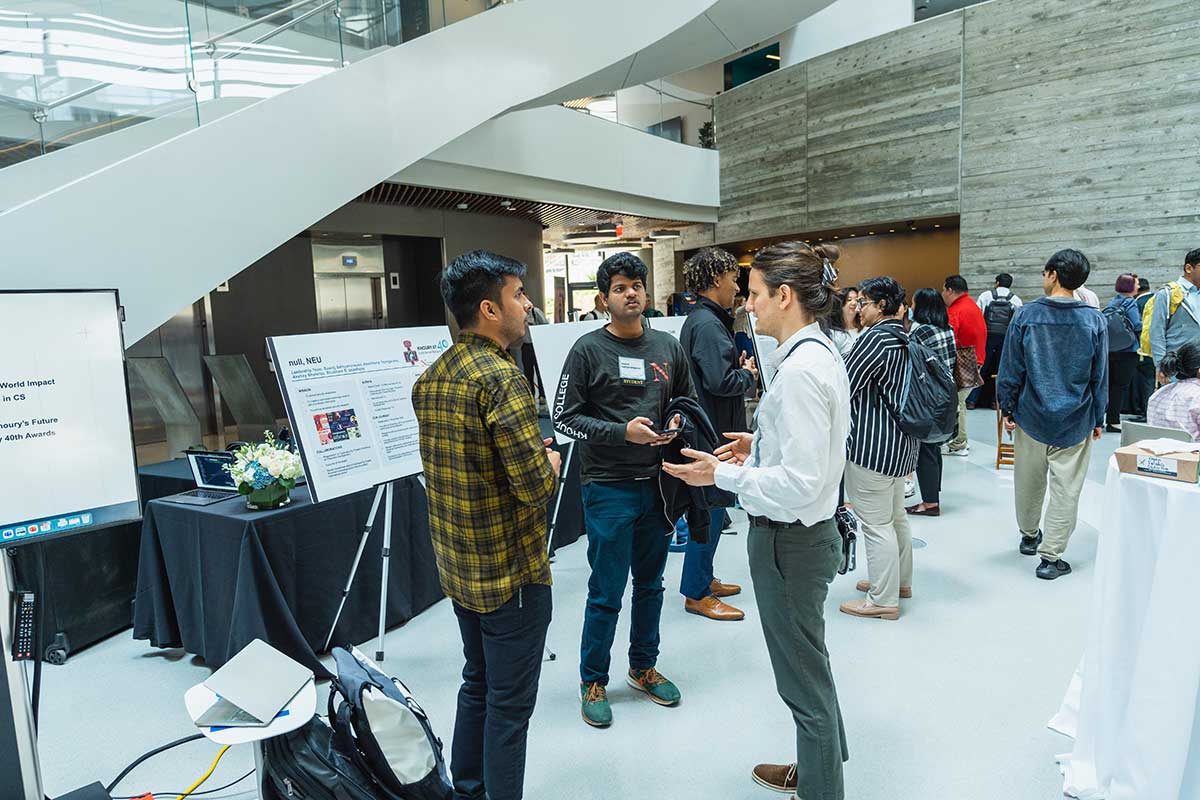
{"points": [[713, 608], [905, 591], [776, 777], [724, 589], [868, 610]]}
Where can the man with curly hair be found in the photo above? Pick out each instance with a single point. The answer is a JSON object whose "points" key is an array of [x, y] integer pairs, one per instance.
{"points": [[722, 377]]}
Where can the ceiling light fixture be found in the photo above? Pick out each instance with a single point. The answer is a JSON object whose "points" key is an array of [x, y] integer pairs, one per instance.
{"points": [[870, 233], [891, 230], [505, 203], [587, 237], [366, 236], [665, 233], [937, 226], [462, 206], [773, 57]]}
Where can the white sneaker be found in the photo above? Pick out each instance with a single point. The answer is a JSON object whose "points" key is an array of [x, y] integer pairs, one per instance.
{"points": [[910, 488], [962, 451]]}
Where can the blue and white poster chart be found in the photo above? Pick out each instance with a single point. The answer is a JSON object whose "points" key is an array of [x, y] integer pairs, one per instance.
{"points": [[349, 399], [552, 344]]}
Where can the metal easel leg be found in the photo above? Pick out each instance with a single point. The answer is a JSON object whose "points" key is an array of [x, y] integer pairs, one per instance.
{"points": [[387, 556], [562, 482], [362, 543]]}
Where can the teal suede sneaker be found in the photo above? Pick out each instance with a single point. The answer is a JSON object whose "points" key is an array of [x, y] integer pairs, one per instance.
{"points": [[594, 705], [656, 687]]}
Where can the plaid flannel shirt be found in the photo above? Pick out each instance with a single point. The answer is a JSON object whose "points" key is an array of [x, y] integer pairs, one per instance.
{"points": [[486, 472]]}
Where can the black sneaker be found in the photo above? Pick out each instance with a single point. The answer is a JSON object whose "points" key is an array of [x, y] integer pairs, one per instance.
{"points": [[1029, 544], [1049, 570]]}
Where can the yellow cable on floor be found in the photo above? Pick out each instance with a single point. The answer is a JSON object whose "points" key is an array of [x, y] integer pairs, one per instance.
{"points": [[206, 775]]}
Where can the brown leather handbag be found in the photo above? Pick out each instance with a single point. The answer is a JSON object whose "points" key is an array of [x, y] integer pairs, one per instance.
{"points": [[966, 368]]}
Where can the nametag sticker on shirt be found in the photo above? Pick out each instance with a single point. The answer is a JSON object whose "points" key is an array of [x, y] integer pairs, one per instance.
{"points": [[632, 369]]}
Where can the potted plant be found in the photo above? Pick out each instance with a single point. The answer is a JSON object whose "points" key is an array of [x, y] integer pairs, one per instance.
{"points": [[266, 473]]}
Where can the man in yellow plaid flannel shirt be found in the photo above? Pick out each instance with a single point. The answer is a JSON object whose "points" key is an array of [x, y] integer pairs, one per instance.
{"points": [[489, 475]]}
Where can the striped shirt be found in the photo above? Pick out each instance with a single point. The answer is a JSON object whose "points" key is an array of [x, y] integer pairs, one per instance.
{"points": [[939, 340], [877, 366], [1177, 405]]}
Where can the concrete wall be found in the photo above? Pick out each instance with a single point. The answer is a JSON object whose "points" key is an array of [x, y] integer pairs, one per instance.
{"points": [[868, 133], [1070, 125]]}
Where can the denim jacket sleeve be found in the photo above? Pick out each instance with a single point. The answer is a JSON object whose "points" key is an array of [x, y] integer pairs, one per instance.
{"points": [[1099, 383], [1011, 376]]}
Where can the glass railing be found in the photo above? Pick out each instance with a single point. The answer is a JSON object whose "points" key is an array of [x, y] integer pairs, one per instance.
{"points": [[658, 108], [73, 70]]}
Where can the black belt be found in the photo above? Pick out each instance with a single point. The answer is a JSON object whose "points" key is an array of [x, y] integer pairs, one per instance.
{"points": [[765, 522]]}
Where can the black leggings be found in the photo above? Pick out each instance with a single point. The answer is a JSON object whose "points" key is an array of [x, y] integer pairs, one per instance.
{"points": [[929, 472], [1121, 369]]}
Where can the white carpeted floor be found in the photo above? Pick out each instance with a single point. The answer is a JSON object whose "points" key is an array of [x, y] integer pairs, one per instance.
{"points": [[951, 701]]}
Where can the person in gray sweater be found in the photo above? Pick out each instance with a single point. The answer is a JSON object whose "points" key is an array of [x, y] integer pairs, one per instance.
{"points": [[1172, 328]]}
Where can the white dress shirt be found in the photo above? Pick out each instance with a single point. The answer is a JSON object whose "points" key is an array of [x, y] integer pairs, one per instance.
{"points": [[799, 449], [986, 298]]}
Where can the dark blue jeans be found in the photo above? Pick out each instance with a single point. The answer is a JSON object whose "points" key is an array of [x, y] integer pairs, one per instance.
{"points": [[698, 559], [503, 650], [628, 533]]}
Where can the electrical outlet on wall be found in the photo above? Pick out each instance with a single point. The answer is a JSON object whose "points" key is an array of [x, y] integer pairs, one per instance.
{"points": [[394, 280]]}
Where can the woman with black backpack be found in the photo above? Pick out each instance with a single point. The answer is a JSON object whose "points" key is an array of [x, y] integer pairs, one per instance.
{"points": [[931, 327], [1124, 330]]}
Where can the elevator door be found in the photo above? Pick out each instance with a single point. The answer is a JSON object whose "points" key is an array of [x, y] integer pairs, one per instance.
{"points": [[351, 303]]}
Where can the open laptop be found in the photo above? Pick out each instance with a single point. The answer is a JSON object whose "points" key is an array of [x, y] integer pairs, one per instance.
{"points": [[213, 483], [253, 687]]}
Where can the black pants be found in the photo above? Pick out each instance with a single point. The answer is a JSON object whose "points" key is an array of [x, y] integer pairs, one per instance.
{"points": [[1121, 369], [1141, 387], [991, 365], [503, 650], [530, 368], [929, 472]]}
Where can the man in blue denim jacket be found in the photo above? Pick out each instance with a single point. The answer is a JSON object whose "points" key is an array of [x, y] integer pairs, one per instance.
{"points": [[1052, 391]]}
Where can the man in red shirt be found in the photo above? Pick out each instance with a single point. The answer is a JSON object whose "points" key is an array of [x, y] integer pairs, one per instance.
{"points": [[969, 331]]}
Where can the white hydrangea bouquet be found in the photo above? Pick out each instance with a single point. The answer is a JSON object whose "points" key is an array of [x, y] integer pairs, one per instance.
{"points": [[266, 473]]}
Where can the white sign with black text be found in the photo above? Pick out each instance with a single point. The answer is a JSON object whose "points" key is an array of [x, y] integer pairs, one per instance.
{"points": [[349, 399]]}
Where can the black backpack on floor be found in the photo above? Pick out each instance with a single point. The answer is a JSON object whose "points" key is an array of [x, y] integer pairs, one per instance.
{"points": [[315, 763], [390, 730]]}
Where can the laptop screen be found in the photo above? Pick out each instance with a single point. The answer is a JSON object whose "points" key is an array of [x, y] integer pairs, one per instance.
{"points": [[209, 470]]}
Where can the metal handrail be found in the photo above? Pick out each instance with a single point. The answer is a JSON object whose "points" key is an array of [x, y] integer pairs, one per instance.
{"points": [[209, 44], [247, 26]]}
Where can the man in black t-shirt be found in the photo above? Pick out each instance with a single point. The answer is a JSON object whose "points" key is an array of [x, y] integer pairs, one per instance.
{"points": [[612, 398]]}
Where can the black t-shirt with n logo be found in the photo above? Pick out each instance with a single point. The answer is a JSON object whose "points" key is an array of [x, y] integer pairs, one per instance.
{"points": [[607, 381]]}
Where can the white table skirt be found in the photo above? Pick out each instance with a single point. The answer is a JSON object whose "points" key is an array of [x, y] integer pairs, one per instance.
{"points": [[1137, 688]]}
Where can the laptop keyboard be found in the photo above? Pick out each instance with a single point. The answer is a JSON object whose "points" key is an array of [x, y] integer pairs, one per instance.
{"points": [[207, 494]]}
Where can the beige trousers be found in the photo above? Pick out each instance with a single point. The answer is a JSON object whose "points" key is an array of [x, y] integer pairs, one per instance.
{"points": [[879, 505], [960, 440], [1062, 470]]}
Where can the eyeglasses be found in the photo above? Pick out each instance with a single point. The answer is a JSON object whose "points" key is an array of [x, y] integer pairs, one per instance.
{"points": [[860, 302]]}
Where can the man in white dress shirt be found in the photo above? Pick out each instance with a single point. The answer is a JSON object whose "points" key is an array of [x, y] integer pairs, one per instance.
{"points": [[786, 475]]}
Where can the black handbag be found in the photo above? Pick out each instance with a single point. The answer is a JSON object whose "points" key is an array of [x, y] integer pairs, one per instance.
{"points": [[847, 525]]}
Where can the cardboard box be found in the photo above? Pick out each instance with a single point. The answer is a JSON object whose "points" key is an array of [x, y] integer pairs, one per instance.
{"points": [[1172, 466]]}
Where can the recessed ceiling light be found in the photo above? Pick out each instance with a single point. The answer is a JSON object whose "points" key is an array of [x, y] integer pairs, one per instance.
{"points": [[937, 226], [891, 230], [773, 57], [835, 237], [853, 235], [870, 233], [324, 235], [462, 206], [505, 203], [666, 233], [366, 236]]}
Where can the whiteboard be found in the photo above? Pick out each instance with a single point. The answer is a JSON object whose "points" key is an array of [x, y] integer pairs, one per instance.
{"points": [[349, 400], [552, 344], [66, 440]]}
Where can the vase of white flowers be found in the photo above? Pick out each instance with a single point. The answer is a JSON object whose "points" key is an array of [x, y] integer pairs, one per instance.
{"points": [[266, 474]]}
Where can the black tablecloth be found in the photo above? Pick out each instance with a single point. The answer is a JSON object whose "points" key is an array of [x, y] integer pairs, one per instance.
{"points": [[213, 578]]}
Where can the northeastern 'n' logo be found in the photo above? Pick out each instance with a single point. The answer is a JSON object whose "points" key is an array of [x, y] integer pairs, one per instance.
{"points": [[661, 372]]}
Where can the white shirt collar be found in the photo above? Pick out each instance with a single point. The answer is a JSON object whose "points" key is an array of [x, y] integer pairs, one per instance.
{"points": [[776, 357]]}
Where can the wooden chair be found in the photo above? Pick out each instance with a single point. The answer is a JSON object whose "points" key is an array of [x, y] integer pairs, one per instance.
{"points": [[1005, 453]]}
